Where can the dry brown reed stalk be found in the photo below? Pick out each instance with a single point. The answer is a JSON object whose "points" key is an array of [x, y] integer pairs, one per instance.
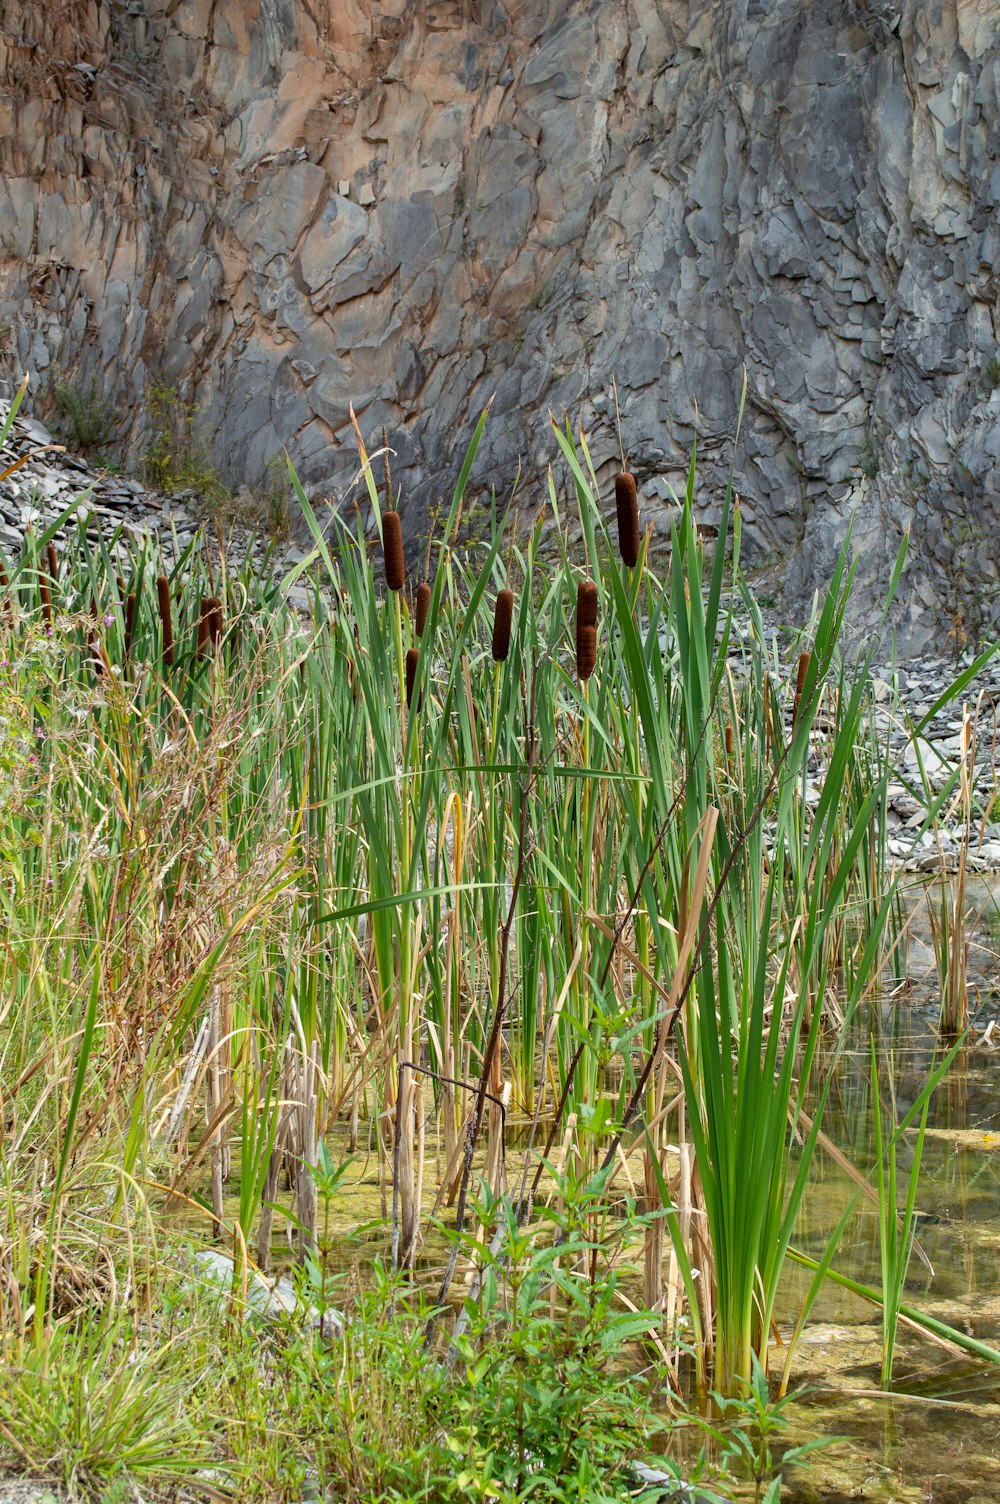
{"points": [[163, 598], [503, 615], [392, 546], [423, 606], [800, 679], [412, 659], [586, 652], [627, 507]]}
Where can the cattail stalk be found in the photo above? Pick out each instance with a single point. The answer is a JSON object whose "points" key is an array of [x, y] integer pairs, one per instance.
{"points": [[166, 624], [129, 621], [627, 507]]}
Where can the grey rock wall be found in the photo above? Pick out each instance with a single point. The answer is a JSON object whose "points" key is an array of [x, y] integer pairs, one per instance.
{"points": [[281, 206]]}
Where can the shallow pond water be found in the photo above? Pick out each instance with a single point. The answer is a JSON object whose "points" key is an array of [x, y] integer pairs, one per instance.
{"points": [[938, 1437]]}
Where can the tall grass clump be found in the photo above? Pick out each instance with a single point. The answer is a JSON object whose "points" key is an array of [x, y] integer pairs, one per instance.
{"points": [[525, 905]]}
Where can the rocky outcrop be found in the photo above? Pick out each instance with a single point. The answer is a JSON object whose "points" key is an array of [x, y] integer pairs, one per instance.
{"points": [[281, 206]]}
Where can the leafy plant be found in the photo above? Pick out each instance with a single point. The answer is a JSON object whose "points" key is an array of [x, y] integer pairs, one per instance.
{"points": [[533, 1400], [755, 1423]]}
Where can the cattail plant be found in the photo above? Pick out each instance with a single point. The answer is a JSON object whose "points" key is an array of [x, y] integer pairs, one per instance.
{"points": [[93, 642], [53, 559], [800, 679], [586, 652], [586, 628], [502, 617], [209, 623], [166, 624], [129, 622], [44, 590], [392, 547], [586, 604], [412, 660], [627, 507], [423, 606]]}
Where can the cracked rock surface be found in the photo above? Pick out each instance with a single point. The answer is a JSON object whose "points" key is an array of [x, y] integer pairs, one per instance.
{"points": [[281, 206]]}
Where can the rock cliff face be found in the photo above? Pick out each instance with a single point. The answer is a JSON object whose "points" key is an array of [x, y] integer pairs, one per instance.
{"points": [[280, 206]]}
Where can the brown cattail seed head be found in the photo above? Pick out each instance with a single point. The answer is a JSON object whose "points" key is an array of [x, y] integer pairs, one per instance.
{"points": [[53, 561], [163, 598], [586, 621], [627, 506], [423, 606], [586, 604], [209, 620], [503, 615], [729, 742], [129, 619], [412, 659], [44, 597], [392, 544], [586, 652]]}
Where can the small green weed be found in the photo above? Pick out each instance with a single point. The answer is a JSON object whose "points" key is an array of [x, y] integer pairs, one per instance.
{"points": [[86, 419], [177, 458]]}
